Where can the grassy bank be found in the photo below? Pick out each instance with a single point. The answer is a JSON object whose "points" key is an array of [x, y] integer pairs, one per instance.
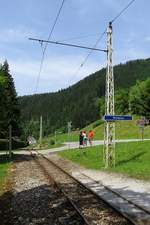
{"points": [[4, 169], [132, 159], [124, 130]]}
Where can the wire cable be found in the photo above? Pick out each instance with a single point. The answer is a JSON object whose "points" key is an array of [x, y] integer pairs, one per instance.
{"points": [[90, 52], [94, 46], [122, 11], [56, 19], [86, 58], [45, 47]]}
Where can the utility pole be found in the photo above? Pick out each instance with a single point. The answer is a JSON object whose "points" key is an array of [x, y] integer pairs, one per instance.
{"points": [[69, 133], [55, 137], [10, 140], [109, 130], [40, 139]]}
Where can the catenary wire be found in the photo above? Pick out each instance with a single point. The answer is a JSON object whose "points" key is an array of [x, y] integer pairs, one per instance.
{"points": [[122, 11], [44, 50], [90, 52], [86, 58], [45, 47]]}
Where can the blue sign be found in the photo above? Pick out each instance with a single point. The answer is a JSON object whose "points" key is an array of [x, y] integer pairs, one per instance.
{"points": [[112, 118]]}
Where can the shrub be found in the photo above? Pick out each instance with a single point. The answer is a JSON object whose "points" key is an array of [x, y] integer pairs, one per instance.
{"points": [[52, 142], [3, 144], [16, 143]]}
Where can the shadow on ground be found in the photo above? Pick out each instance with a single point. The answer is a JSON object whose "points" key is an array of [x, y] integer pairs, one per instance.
{"points": [[40, 205], [15, 158], [135, 157]]}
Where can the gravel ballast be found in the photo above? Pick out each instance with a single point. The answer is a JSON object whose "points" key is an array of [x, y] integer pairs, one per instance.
{"points": [[34, 199]]}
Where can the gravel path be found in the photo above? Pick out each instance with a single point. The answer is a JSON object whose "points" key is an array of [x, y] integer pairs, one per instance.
{"points": [[35, 200]]}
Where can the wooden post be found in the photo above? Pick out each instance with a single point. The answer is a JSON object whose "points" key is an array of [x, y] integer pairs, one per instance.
{"points": [[10, 141], [40, 131]]}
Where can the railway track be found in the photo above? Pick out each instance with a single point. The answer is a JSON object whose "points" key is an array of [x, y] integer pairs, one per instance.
{"points": [[88, 205], [135, 213]]}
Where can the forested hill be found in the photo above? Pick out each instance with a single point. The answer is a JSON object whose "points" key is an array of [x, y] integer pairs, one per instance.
{"points": [[80, 102]]}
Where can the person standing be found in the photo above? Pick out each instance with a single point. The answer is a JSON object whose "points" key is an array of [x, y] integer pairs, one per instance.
{"points": [[90, 137], [84, 138], [81, 139]]}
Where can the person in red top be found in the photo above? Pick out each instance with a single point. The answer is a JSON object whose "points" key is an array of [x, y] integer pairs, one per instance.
{"points": [[90, 137]]}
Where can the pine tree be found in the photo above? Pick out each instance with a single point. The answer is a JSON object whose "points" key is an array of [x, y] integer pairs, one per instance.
{"points": [[9, 113]]}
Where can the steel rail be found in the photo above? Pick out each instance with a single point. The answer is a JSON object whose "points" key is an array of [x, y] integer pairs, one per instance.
{"points": [[79, 182], [116, 209], [61, 189]]}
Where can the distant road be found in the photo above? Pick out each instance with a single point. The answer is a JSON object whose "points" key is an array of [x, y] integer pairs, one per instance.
{"points": [[73, 145]]}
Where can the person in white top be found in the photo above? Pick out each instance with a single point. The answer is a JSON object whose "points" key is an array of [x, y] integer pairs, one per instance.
{"points": [[84, 138]]}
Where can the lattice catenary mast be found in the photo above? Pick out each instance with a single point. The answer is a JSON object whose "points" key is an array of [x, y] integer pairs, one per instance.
{"points": [[109, 133], [109, 129]]}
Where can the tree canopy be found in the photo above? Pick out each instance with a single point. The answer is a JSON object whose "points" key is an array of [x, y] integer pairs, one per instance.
{"points": [[83, 102], [140, 98], [9, 108]]}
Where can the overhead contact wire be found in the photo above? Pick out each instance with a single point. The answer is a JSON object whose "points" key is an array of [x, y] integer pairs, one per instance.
{"points": [[113, 20], [122, 11], [86, 58], [45, 47]]}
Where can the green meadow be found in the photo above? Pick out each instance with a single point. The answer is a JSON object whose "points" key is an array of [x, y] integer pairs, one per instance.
{"points": [[132, 159], [4, 170], [124, 130]]}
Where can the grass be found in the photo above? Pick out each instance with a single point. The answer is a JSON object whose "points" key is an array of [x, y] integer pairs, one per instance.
{"points": [[4, 169], [132, 159], [124, 130]]}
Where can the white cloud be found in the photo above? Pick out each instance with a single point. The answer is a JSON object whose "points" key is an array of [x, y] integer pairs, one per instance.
{"points": [[15, 35], [130, 53], [57, 73], [147, 38]]}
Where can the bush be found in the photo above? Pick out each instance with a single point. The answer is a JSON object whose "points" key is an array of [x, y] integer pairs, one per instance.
{"points": [[16, 143], [52, 142], [3, 144]]}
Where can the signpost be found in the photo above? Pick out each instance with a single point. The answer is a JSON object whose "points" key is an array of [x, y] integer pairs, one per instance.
{"points": [[69, 132], [10, 141], [113, 118], [141, 123]]}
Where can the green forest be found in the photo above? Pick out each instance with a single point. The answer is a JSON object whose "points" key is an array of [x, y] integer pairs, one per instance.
{"points": [[9, 109], [83, 102]]}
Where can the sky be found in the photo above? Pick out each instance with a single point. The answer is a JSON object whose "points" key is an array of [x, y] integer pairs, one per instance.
{"points": [[81, 22]]}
